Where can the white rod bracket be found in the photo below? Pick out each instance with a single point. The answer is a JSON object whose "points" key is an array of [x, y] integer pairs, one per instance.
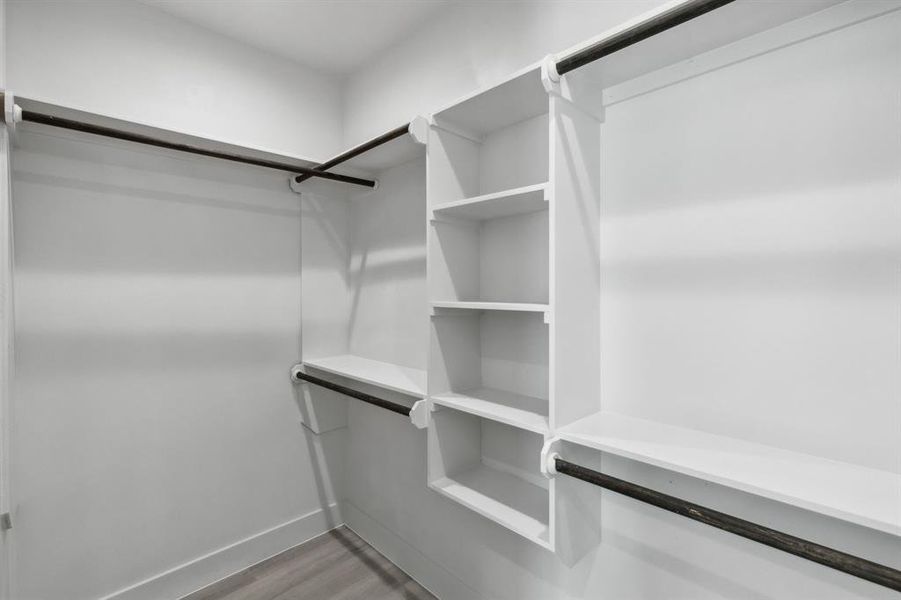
{"points": [[419, 129], [550, 452], [550, 78], [298, 368], [419, 414], [12, 112], [294, 185]]}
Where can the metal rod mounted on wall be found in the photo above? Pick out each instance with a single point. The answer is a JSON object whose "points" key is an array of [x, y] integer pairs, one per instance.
{"points": [[417, 129], [829, 557], [356, 151], [30, 116], [297, 375], [628, 37]]}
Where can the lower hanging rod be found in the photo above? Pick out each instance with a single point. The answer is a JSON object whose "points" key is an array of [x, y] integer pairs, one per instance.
{"points": [[380, 402], [834, 559]]}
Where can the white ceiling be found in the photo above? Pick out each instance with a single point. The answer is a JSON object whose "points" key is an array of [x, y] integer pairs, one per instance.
{"points": [[331, 36]]}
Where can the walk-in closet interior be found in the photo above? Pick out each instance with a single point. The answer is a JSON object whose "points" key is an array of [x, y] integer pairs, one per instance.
{"points": [[399, 299]]}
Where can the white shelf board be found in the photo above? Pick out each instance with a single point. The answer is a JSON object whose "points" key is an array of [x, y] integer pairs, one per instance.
{"points": [[517, 98], [861, 495], [524, 412], [517, 201], [398, 151], [504, 498], [503, 306], [381, 374]]}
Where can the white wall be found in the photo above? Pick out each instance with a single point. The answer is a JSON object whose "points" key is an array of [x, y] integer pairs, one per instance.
{"points": [[6, 325], [159, 313], [137, 63], [465, 47], [750, 275]]}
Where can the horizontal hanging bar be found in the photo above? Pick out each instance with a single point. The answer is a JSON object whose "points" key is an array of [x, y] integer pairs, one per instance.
{"points": [[44, 119], [835, 559], [356, 151], [380, 402], [642, 31]]}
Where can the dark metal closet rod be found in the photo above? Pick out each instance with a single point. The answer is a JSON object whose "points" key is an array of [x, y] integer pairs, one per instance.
{"points": [[44, 119], [835, 559], [356, 151], [642, 31], [380, 402]]}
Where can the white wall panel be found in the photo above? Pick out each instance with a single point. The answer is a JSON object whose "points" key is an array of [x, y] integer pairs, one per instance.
{"points": [[134, 62], [160, 312]]}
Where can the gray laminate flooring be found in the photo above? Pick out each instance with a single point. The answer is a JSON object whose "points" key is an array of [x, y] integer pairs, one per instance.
{"points": [[337, 565]]}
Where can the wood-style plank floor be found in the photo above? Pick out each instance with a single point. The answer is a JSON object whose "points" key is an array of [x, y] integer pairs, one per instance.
{"points": [[337, 565]]}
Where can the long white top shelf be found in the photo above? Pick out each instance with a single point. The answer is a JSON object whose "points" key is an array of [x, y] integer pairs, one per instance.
{"points": [[861, 495], [384, 375]]}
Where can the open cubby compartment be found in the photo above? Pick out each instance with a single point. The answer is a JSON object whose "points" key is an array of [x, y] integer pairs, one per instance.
{"points": [[492, 364], [494, 141], [502, 259], [492, 469]]}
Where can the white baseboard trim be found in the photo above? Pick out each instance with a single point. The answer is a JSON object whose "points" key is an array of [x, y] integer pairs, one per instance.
{"points": [[219, 564], [429, 574]]}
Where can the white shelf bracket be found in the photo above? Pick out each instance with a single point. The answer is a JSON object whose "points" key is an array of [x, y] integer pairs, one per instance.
{"points": [[550, 452], [298, 368], [550, 79], [419, 414]]}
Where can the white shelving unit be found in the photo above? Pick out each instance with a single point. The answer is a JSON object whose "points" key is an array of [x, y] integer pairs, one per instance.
{"points": [[513, 252], [403, 380], [513, 194], [861, 495]]}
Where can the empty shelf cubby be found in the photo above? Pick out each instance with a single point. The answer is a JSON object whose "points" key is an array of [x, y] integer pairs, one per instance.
{"points": [[493, 364], [502, 259], [492, 469], [494, 141], [461, 168]]}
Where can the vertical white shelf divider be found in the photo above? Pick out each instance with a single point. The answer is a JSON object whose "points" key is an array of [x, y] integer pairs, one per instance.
{"points": [[514, 201]]}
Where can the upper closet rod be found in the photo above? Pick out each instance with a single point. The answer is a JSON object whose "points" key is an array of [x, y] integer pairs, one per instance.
{"points": [[63, 123], [356, 151], [642, 31]]}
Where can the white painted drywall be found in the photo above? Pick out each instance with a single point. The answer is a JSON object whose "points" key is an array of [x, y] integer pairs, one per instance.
{"points": [[137, 63], [751, 287], [160, 313], [6, 326], [468, 46], [388, 318]]}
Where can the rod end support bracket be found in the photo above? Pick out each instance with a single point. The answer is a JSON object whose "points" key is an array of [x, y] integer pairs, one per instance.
{"points": [[419, 129], [12, 112], [550, 78], [295, 370], [550, 452], [419, 414], [295, 185]]}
